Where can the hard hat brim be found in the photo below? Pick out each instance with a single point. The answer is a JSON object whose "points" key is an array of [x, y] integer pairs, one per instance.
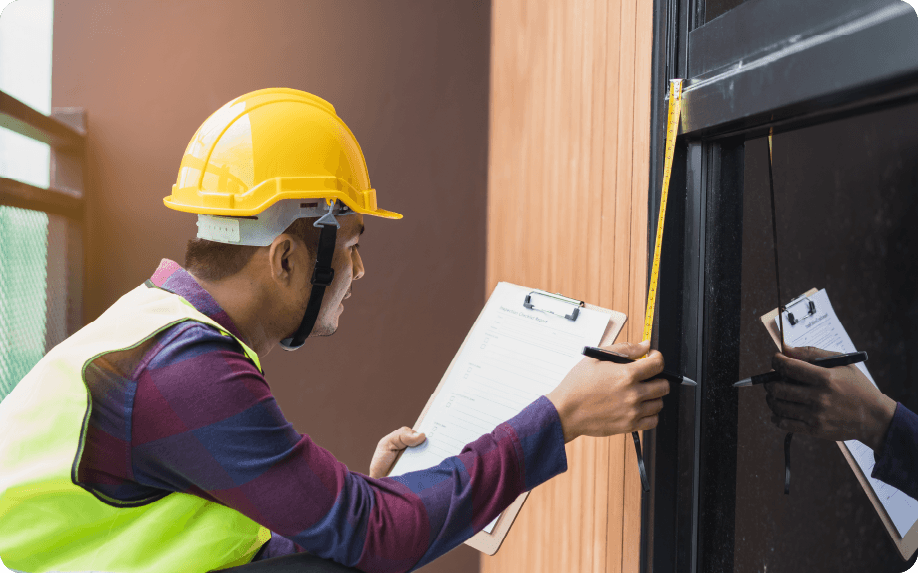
{"points": [[270, 191]]}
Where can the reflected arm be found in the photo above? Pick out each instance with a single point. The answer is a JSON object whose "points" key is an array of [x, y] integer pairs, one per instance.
{"points": [[897, 456]]}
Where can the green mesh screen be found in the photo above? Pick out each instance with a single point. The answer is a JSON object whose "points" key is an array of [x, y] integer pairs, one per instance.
{"points": [[23, 273]]}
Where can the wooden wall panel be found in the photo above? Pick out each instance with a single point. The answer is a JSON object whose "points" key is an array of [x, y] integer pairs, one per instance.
{"points": [[567, 212]]}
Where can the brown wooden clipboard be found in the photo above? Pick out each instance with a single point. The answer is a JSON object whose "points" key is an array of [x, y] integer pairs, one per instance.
{"points": [[906, 545], [485, 542]]}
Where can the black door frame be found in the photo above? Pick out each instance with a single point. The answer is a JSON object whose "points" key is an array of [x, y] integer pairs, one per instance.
{"points": [[781, 64]]}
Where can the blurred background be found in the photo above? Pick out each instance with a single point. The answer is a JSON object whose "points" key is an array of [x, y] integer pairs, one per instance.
{"points": [[409, 77]]}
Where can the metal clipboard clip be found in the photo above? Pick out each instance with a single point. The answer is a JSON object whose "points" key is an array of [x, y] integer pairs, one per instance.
{"points": [[558, 298], [802, 307]]}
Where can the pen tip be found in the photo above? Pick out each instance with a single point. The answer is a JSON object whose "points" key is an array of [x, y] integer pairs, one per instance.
{"points": [[743, 382], [688, 381]]}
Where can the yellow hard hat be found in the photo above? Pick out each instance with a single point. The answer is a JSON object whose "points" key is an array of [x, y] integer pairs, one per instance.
{"points": [[266, 159], [269, 146]]}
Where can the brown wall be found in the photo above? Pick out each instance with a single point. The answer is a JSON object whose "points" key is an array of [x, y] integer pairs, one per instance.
{"points": [[410, 78], [567, 205]]}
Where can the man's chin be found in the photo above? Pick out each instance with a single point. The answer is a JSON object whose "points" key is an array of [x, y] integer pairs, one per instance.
{"points": [[324, 329]]}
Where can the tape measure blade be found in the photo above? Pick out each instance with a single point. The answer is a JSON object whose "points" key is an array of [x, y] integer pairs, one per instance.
{"points": [[672, 127]]}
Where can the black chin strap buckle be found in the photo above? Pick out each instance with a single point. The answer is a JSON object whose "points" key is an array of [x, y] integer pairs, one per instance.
{"points": [[323, 276]]}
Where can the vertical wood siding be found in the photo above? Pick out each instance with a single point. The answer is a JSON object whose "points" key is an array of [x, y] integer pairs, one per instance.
{"points": [[567, 212]]}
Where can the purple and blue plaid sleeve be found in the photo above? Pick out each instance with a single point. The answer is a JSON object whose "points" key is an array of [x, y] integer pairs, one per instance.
{"points": [[194, 415], [897, 460], [205, 423]]}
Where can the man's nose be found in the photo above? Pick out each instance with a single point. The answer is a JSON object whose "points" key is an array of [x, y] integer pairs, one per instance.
{"points": [[358, 265]]}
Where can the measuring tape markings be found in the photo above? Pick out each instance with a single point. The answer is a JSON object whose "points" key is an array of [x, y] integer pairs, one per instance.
{"points": [[672, 130]]}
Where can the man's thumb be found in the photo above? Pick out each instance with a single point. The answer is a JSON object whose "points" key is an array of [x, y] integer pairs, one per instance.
{"points": [[412, 437]]}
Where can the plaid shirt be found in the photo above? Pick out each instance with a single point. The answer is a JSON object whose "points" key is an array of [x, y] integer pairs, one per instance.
{"points": [[188, 412]]}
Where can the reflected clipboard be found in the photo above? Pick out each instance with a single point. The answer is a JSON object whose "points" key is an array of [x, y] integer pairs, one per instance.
{"points": [[798, 312], [564, 312]]}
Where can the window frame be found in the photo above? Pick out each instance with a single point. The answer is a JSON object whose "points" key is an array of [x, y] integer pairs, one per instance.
{"points": [[65, 131], [764, 64]]}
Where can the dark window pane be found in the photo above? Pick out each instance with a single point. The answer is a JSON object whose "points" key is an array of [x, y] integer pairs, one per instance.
{"points": [[847, 206], [714, 8]]}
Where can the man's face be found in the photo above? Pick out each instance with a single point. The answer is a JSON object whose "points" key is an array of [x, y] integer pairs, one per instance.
{"points": [[348, 268]]}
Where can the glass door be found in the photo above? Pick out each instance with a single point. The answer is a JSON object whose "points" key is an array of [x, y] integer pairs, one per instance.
{"points": [[838, 82]]}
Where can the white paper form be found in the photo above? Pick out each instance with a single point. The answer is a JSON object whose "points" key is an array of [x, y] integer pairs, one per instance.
{"points": [[511, 357], [823, 330]]}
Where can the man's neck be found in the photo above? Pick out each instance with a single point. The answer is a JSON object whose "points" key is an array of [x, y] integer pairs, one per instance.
{"points": [[238, 297]]}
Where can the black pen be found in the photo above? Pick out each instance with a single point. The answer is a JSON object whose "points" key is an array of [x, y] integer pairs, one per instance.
{"points": [[609, 356], [830, 362]]}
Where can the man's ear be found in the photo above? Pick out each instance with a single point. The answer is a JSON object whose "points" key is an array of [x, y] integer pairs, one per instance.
{"points": [[280, 254]]}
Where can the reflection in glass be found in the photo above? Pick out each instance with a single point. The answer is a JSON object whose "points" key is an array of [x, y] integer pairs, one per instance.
{"points": [[847, 205], [714, 8]]}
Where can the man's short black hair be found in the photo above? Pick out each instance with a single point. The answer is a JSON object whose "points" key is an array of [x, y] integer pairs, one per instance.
{"points": [[212, 261]]}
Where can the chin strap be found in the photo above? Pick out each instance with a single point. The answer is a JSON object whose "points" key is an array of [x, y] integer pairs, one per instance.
{"points": [[322, 276]]}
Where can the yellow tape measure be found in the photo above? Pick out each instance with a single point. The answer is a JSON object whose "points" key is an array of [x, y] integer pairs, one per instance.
{"points": [[672, 130]]}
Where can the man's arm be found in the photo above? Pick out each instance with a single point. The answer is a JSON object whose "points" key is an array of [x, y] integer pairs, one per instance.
{"points": [[841, 404], [466, 492], [205, 423], [897, 456]]}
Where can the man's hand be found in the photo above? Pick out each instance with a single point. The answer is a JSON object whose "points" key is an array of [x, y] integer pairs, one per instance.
{"points": [[832, 403], [599, 398], [390, 446]]}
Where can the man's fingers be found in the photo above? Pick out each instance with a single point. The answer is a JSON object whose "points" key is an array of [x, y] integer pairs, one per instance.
{"points": [[389, 446], [788, 425], [648, 367], [791, 410], [648, 423], [790, 392], [411, 437], [401, 439], [798, 370], [651, 407], [630, 349], [807, 353], [654, 389]]}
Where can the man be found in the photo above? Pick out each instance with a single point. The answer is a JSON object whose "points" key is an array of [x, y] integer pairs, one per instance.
{"points": [[150, 441], [841, 404]]}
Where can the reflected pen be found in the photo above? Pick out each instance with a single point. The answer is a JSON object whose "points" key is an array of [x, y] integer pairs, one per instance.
{"points": [[609, 356], [830, 362]]}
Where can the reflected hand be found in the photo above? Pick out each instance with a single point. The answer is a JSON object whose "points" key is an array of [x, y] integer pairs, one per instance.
{"points": [[831, 403], [390, 446], [600, 398]]}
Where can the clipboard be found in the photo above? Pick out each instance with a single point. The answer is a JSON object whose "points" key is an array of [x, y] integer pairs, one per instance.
{"points": [[552, 303], [800, 308]]}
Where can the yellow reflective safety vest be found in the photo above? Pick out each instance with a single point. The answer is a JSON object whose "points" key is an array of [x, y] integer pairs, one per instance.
{"points": [[47, 522]]}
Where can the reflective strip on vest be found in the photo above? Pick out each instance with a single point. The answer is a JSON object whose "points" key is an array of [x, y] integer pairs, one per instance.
{"points": [[47, 522]]}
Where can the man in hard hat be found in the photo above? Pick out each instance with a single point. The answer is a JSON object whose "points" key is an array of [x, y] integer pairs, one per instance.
{"points": [[150, 441]]}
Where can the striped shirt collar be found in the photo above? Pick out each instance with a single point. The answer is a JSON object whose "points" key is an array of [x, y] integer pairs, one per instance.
{"points": [[172, 277]]}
